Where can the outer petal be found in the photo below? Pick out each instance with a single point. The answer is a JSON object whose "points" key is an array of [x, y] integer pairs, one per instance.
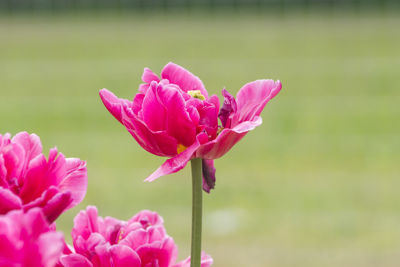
{"points": [[158, 143], [178, 162], [208, 175], [114, 104], [226, 140], [124, 256], [178, 122], [8, 201], [75, 180], [206, 261], [154, 112], [228, 109], [31, 144], [252, 98], [148, 76], [75, 260], [51, 246], [183, 78]]}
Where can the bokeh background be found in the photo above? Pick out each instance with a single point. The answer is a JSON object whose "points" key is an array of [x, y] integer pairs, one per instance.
{"points": [[316, 185]]}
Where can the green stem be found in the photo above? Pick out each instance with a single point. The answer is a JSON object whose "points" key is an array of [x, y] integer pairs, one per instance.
{"points": [[197, 209]]}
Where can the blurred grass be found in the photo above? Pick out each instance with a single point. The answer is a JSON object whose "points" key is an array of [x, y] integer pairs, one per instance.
{"points": [[316, 185]]}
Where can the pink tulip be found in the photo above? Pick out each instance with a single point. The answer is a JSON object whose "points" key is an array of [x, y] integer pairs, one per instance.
{"points": [[173, 116], [27, 240], [140, 242], [28, 180]]}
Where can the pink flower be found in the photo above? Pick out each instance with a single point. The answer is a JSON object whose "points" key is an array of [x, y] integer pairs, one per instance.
{"points": [[28, 180], [27, 240], [140, 242], [173, 116]]}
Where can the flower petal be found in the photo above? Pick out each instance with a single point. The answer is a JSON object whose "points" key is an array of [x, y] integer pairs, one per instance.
{"points": [[178, 122], [226, 140], [183, 78], [252, 98], [154, 112], [114, 104], [8, 201], [75, 260], [123, 256], [155, 142], [75, 180], [228, 109], [208, 175], [178, 162]]}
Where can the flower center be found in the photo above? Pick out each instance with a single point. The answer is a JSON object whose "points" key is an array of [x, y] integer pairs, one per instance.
{"points": [[196, 94], [180, 148]]}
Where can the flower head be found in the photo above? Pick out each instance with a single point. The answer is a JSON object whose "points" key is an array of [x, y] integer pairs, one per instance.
{"points": [[140, 241], [27, 240], [28, 179], [173, 116]]}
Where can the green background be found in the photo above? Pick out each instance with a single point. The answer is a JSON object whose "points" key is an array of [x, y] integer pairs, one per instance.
{"points": [[317, 184]]}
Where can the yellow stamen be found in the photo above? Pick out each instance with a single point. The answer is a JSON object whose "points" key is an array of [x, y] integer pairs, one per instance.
{"points": [[120, 235], [196, 94], [181, 148]]}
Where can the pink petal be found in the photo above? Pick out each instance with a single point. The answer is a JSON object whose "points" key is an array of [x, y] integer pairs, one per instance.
{"points": [[51, 246], [206, 261], [56, 206], [114, 104], [228, 109], [147, 218], [148, 76], [123, 256], [252, 98], [158, 143], [178, 122], [75, 180], [8, 201], [208, 175], [178, 162], [75, 260], [154, 112], [85, 223], [135, 239], [226, 140], [31, 144], [183, 78]]}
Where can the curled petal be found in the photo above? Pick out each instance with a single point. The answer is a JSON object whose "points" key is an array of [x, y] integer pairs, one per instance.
{"points": [[155, 142], [206, 261], [75, 260], [252, 98], [8, 201], [183, 78], [148, 76], [177, 118], [208, 175], [114, 104], [123, 256], [75, 180], [178, 162], [226, 140], [228, 109]]}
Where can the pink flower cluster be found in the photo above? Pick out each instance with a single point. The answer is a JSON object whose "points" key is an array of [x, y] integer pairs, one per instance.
{"points": [[173, 116], [106, 242], [28, 179], [34, 191]]}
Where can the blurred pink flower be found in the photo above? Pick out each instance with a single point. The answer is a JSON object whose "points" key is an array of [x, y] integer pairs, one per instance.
{"points": [[28, 180], [27, 240], [140, 242], [173, 116]]}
